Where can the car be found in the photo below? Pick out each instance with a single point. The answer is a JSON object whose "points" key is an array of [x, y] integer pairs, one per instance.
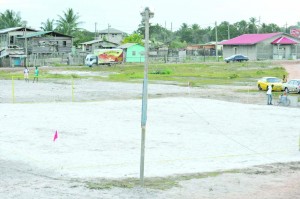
{"points": [[238, 58], [262, 84], [292, 85]]}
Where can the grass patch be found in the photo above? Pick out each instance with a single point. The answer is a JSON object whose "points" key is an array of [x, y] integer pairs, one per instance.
{"points": [[160, 183], [217, 73]]}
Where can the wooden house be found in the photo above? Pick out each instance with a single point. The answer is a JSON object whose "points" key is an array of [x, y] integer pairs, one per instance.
{"points": [[9, 36], [10, 53], [46, 42], [133, 52]]}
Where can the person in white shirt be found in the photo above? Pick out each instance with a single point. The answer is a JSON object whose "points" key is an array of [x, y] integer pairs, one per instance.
{"points": [[269, 94], [26, 74]]}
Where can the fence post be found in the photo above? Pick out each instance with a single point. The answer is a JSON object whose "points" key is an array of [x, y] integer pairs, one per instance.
{"points": [[72, 89], [13, 89]]}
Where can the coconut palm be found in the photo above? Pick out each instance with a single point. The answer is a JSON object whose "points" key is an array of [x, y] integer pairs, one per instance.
{"points": [[68, 23], [48, 25], [9, 19]]}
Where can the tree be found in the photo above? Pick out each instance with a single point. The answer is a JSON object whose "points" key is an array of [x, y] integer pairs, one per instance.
{"points": [[48, 25], [133, 38], [68, 23], [197, 32], [252, 26], [185, 33], [10, 19], [241, 27], [176, 44], [81, 36]]}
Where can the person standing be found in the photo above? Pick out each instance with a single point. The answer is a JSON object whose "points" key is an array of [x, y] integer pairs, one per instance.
{"points": [[269, 94], [36, 74], [26, 74], [284, 79]]}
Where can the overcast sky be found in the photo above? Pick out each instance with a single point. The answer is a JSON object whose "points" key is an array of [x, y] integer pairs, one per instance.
{"points": [[125, 14]]}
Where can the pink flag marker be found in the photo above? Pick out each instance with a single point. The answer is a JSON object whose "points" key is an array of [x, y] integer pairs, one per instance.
{"points": [[55, 136]]}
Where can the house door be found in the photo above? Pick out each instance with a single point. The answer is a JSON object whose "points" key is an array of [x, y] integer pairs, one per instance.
{"points": [[235, 50], [281, 53], [288, 53]]}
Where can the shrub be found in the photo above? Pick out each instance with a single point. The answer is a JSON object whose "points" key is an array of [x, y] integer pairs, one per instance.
{"points": [[161, 72]]}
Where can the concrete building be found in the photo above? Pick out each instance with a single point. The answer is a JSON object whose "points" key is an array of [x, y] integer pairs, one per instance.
{"points": [[263, 46]]}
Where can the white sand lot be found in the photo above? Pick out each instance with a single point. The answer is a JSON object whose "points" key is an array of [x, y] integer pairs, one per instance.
{"points": [[102, 138], [184, 135]]}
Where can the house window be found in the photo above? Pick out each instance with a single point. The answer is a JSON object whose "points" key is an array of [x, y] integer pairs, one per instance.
{"points": [[133, 53], [11, 40], [64, 43]]}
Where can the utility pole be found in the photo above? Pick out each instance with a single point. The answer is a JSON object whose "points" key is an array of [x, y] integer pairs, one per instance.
{"points": [[108, 32], [26, 50], [217, 56], [228, 32], [95, 30], [146, 14], [258, 24]]}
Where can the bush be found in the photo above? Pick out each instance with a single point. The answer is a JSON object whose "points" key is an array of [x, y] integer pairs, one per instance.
{"points": [[161, 72], [233, 76]]}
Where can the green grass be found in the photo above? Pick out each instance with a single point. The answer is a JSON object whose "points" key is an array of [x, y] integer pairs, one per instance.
{"points": [[197, 74]]}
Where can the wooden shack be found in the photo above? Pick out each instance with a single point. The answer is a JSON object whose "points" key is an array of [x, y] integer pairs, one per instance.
{"points": [[46, 42]]}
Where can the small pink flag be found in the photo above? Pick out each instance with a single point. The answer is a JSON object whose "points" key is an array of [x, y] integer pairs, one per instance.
{"points": [[55, 136]]}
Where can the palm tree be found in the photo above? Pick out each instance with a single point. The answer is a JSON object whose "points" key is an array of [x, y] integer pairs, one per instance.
{"points": [[253, 28], [10, 19], [68, 23], [48, 25]]}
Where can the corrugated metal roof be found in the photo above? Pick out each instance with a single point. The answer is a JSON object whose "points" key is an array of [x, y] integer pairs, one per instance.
{"points": [[111, 31], [284, 40], [6, 30], [127, 45], [92, 41], [36, 34], [103, 43], [250, 39]]}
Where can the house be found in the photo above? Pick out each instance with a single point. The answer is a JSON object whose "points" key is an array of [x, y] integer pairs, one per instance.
{"points": [[263, 46], [12, 56], [46, 42], [112, 35], [10, 53], [90, 46], [21, 45], [9, 36], [133, 52], [205, 49]]}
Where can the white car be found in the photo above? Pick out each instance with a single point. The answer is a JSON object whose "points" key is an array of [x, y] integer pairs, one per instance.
{"points": [[292, 85]]}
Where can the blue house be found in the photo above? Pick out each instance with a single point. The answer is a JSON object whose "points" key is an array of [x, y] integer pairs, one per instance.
{"points": [[133, 52]]}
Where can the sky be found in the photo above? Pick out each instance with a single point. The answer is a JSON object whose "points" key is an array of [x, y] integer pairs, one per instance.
{"points": [[125, 15]]}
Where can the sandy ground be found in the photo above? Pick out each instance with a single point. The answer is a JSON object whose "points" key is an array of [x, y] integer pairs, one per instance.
{"points": [[189, 130]]}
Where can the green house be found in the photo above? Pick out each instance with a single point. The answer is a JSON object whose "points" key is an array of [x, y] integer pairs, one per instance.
{"points": [[133, 52]]}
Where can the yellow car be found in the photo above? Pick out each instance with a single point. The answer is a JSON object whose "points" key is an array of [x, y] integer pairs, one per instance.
{"points": [[262, 84]]}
